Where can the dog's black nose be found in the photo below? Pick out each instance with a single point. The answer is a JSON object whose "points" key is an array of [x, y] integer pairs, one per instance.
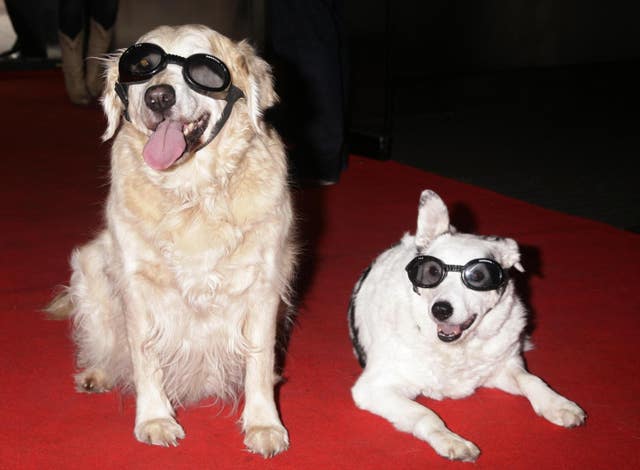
{"points": [[442, 310], [159, 98]]}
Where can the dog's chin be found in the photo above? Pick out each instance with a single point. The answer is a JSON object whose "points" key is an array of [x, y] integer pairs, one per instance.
{"points": [[452, 332]]}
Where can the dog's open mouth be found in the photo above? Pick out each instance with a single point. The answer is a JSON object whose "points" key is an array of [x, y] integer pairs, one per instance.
{"points": [[449, 333], [173, 139]]}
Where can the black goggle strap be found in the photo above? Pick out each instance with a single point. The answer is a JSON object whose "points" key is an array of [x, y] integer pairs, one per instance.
{"points": [[233, 95], [121, 91]]}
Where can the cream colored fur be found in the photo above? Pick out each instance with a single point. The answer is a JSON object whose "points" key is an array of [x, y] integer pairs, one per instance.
{"points": [[180, 296]]}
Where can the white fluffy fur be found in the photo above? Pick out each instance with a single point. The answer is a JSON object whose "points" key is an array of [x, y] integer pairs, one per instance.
{"points": [[179, 297], [397, 333]]}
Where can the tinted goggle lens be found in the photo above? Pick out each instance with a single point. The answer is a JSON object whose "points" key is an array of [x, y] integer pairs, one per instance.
{"points": [[207, 71], [140, 62], [482, 274], [479, 274], [426, 271], [203, 72]]}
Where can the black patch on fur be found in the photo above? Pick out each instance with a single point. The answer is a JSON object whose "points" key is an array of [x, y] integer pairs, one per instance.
{"points": [[358, 350], [491, 238]]}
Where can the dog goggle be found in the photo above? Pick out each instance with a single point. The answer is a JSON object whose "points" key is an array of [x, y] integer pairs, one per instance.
{"points": [[204, 73], [479, 274]]}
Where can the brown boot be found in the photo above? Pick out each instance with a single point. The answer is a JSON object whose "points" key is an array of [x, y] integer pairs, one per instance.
{"points": [[71, 51], [99, 42]]}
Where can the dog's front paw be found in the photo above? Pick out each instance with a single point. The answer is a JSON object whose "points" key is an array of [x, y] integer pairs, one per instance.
{"points": [[564, 413], [266, 440], [453, 447], [159, 432]]}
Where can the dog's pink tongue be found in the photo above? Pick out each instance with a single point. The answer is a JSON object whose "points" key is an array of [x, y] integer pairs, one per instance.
{"points": [[165, 145]]}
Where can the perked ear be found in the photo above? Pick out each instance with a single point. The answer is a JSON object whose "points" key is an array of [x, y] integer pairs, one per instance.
{"points": [[508, 254], [258, 85], [433, 218], [111, 103]]}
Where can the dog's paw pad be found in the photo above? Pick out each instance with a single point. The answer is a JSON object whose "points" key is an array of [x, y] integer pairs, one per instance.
{"points": [[566, 414], [453, 447], [160, 432], [92, 381], [266, 440]]}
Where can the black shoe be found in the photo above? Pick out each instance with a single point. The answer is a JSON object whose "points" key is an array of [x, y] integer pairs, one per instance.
{"points": [[18, 53], [11, 54]]}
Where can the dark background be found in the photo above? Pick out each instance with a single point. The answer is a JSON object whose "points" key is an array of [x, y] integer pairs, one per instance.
{"points": [[533, 99]]}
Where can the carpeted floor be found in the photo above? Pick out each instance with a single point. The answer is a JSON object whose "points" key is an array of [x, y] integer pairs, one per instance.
{"points": [[580, 286]]}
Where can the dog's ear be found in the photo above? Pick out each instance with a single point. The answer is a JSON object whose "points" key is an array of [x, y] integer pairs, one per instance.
{"points": [[508, 254], [433, 218], [111, 102], [255, 78]]}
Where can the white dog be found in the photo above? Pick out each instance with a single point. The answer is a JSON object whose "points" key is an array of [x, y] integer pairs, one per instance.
{"points": [[437, 315], [179, 297]]}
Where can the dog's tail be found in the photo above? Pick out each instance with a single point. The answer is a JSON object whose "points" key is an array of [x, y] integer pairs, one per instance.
{"points": [[61, 305]]}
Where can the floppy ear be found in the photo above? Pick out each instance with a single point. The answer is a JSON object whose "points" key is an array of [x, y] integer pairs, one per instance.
{"points": [[111, 103], [508, 254], [433, 218], [256, 80]]}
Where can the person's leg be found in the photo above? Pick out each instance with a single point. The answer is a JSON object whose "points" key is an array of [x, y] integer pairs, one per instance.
{"points": [[306, 41], [71, 37], [103, 12], [102, 17], [71, 17], [25, 19]]}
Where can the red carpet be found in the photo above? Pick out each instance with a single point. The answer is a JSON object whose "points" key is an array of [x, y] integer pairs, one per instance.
{"points": [[582, 286]]}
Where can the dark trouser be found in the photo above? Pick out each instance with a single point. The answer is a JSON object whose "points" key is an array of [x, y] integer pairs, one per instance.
{"points": [[25, 16], [72, 14], [306, 41]]}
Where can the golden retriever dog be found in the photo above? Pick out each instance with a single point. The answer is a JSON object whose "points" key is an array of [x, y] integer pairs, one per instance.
{"points": [[181, 295]]}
